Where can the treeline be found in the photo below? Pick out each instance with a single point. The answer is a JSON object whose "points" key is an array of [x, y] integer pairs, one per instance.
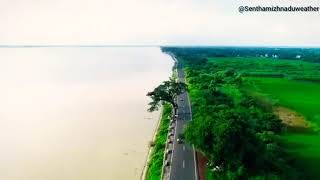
{"points": [[238, 136], [306, 54]]}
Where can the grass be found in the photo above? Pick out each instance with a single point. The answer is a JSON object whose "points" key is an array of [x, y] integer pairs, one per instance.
{"points": [[306, 150], [268, 67], [209, 174], [292, 84], [156, 157], [304, 98]]}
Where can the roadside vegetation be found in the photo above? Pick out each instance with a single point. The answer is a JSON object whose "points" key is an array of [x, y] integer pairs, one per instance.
{"points": [[254, 117], [156, 158], [165, 96], [239, 137], [166, 92]]}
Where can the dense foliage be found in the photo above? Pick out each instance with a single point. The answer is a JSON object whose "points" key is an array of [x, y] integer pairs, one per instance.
{"points": [[235, 131], [166, 92], [191, 53], [237, 136]]}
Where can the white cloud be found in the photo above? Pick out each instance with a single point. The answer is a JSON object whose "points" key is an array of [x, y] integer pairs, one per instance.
{"points": [[153, 22]]}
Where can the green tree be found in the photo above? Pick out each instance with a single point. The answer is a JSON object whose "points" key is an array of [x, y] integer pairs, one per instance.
{"points": [[166, 92]]}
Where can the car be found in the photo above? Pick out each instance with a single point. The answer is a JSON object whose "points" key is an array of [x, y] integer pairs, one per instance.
{"points": [[167, 163], [180, 141], [169, 151], [180, 138]]}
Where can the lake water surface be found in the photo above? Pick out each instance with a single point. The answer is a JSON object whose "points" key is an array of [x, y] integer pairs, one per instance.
{"points": [[77, 113]]}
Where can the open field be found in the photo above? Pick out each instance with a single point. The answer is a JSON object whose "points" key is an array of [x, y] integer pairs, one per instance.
{"points": [[306, 149], [304, 98], [268, 67], [292, 86]]}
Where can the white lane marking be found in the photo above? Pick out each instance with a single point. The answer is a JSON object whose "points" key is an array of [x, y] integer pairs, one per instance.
{"points": [[183, 164], [189, 106], [184, 148], [195, 163]]}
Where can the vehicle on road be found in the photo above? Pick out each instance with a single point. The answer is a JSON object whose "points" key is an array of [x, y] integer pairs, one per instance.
{"points": [[180, 141], [167, 163], [180, 138], [169, 151]]}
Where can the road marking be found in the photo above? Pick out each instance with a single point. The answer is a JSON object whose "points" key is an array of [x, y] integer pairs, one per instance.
{"points": [[184, 148], [183, 164], [195, 163], [189, 105]]}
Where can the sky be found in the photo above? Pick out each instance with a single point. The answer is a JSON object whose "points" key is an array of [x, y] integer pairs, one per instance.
{"points": [[155, 22]]}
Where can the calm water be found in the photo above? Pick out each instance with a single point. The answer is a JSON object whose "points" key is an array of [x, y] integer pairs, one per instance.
{"points": [[77, 113]]}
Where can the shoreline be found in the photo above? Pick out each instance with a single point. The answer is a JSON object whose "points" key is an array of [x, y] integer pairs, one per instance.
{"points": [[143, 175]]}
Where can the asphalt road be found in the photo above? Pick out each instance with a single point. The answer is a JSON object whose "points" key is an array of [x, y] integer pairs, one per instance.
{"points": [[183, 165]]}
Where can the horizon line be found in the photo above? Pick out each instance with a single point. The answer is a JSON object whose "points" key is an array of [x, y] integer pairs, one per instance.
{"points": [[149, 45]]}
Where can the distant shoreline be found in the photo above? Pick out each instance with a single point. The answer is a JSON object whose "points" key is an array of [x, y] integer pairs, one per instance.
{"points": [[153, 45], [57, 46]]}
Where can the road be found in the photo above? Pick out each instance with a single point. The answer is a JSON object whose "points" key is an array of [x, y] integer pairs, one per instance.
{"points": [[183, 164]]}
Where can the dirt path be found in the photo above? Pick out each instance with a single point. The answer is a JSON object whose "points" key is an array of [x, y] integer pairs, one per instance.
{"points": [[291, 118]]}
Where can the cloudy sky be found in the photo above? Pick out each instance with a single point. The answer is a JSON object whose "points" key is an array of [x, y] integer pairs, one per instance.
{"points": [[167, 22]]}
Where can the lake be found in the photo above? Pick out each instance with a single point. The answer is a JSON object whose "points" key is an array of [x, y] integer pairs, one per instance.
{"points": [[77, 113]]}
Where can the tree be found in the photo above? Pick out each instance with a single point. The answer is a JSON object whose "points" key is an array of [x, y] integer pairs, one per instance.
{"points": [[166, 92]]}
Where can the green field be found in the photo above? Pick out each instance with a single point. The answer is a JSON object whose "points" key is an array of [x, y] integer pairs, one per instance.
{"points": [[268, 67], [304, 98], [292, 84], [306, 149]]}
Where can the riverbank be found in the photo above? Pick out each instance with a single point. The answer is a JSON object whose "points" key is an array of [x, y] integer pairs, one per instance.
{"points": [[148, 157], [153, 167]]}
